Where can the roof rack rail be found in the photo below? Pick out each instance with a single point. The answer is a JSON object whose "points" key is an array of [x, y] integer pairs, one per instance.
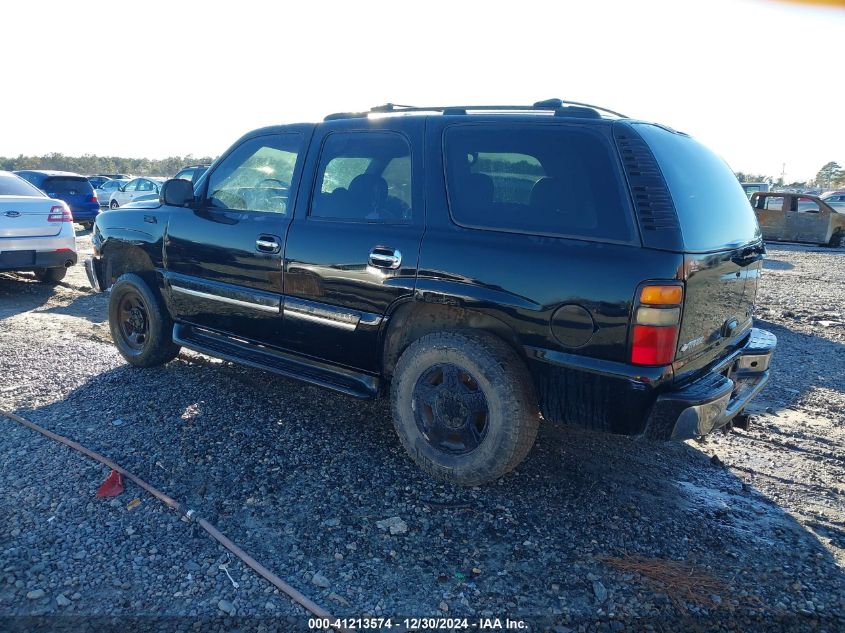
{"points": [[560, 107]]}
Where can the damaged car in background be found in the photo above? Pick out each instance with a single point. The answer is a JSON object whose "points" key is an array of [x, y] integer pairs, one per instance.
{"points": [[480, 265], [799, 217]]}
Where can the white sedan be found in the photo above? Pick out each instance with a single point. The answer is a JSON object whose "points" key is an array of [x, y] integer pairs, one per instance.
{"points": [[36, 231], [134, 189]]}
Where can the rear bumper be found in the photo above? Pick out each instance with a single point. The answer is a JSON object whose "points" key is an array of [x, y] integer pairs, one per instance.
{"points": [[40, 259], [84, 214], [712, 401]]}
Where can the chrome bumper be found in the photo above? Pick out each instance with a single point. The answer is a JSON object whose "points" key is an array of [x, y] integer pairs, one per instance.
{"points": [[93, 266], [714, 400]]}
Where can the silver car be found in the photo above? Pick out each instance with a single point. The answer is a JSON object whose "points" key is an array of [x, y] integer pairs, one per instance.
{"points": [[36, 231], [105, 190], [136, 188]]}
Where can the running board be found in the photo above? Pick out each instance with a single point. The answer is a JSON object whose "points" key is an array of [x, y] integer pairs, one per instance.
{"points": [[346, 381]]}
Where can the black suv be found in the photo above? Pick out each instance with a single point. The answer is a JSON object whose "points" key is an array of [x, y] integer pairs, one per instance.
{"points": [[486, 266]]}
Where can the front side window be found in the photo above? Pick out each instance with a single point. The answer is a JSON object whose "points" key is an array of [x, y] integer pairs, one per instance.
{"points": [[558, 180], [256, 176], [132, 185], [364, 177]]}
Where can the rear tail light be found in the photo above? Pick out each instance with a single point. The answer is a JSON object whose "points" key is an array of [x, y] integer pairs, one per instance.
{"points": [[657, 319], [59, 213], [93, 197]]}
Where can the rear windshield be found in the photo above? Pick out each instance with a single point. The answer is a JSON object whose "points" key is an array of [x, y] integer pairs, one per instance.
{"points": [[14, 186], [559, 180], [712, 207], [66, 184]]}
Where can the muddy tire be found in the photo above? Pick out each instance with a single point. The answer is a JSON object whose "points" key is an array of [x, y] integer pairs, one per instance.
{"points": [[50, 275], [140, 324], [464, 406]]}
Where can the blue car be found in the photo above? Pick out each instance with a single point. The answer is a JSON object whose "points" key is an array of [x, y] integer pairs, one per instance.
{"points": [[74, 189]]}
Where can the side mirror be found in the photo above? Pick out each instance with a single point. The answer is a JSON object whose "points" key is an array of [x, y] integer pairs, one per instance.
{"points": [[176, 193], [122, 188]]}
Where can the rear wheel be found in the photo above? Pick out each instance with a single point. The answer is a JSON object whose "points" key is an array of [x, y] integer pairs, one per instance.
{"points": [[464, 406], [50, 275], [113, 204], [140, 324]]}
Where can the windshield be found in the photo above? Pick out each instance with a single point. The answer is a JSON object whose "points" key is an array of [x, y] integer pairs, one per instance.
{"points": [[66, 184], [712, 207]]}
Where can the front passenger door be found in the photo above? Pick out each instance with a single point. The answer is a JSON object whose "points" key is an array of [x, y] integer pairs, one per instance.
{"points": [[224, 257]]}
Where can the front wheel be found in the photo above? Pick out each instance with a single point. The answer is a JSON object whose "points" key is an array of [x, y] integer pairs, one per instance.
{"points": [[113, 204], [837, 240], [140, 324], [464, 406]]}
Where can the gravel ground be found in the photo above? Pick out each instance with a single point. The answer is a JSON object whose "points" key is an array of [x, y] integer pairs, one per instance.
{"points": [[745, 531]]}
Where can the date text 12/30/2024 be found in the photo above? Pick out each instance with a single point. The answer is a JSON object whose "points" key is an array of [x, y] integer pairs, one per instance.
{"points": [[417, 624]]}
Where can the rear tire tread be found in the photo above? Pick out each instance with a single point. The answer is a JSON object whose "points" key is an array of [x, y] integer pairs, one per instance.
{"points": [[509, 381]]}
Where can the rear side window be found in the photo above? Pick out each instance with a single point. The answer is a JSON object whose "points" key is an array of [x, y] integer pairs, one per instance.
{"points": [[712, 207], [14, 186], [364, 177], [67, 184], [541, 179]]}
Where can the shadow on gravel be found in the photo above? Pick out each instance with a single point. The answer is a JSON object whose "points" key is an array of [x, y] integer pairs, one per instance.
{"points": [[93, 307], [21, 292], [300, 477]]}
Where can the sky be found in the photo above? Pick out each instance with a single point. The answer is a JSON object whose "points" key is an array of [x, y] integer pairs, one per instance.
{"points": [[758, 81]]}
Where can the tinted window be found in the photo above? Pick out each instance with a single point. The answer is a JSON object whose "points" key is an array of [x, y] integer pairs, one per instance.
{"points": [[257, 175], [35, 179], [14, 186], [542, 179], [364, 177], [712, 208], [65, 184]]}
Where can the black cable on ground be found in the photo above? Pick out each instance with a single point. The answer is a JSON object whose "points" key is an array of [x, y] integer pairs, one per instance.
{"points": [[218, 536]]}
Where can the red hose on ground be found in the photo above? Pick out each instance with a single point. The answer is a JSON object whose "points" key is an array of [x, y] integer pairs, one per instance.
{"points": [[216, 534]]}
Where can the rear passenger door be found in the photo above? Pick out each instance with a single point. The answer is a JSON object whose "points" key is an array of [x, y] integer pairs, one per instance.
{"points": [[352, 247]]}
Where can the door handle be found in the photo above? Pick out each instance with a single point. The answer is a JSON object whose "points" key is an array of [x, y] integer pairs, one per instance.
{"points": [[267, 244], [384, 257]]}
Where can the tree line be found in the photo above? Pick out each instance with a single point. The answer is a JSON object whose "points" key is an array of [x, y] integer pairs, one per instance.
{"points": [[89, 164], [830, 176]]}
